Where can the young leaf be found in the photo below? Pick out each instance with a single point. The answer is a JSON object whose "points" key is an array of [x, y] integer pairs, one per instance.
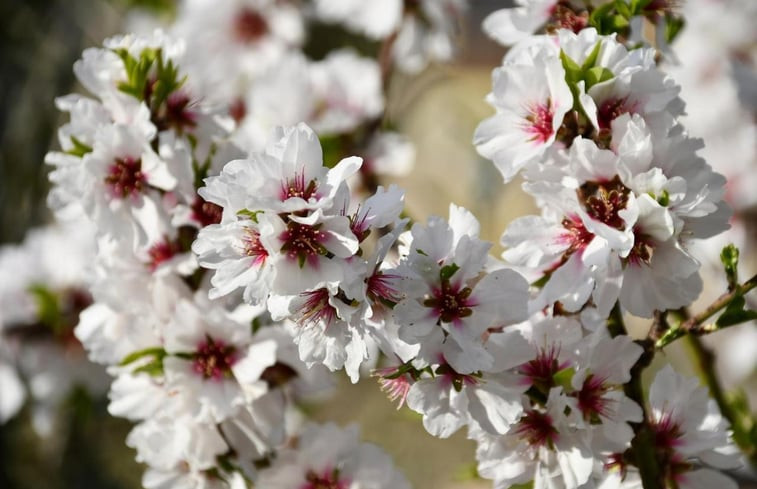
{"points": [[735, 313], [730, 259]]}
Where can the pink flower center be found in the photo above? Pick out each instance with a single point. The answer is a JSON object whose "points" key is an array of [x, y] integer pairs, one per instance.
{"points": [[611, 109], [541, 370], [213, 359], [536, 429], [177, 113], [329, 479], [303, 243], [576, 235], [206, 213], [316, 309], [254, 248], [450, 302], [643, 248], [382, 286], [394, 384], [604, 201], [250, 26], [162, 252], [238, 110], [590, 398], [297, 187], [667, 432], [125, 177], [540, 122]]}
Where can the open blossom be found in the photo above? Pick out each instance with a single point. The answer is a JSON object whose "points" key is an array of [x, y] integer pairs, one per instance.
{"points": [[280, 233], [616, 222], [531, 101], [214, 363], [43, 291], [335, 95], [288, 176], [688, 426], [450, 298], [542, 446], [554, 88], [328, 456], [252, 36], [511, 25], [427, 33], [376, 19]]}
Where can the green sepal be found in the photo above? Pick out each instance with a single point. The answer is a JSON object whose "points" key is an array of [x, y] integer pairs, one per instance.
{"points": [[591, 59], [564, 377], [448, 271], [80, 149], [252, 215], [597, 74], [157, 352], [573, 72]]}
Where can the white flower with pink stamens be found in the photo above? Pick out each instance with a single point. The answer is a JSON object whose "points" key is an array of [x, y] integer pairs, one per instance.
{"points": [[240, 260], [288, 176], [531, 101], [542, 446], [688, 427], [327, 456], [450, 298], [213, 362]]}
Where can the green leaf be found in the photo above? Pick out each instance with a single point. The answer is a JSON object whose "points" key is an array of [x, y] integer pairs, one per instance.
{"points": [[730, 259], [157, 352], [637, 6], [48, 306], [673, 27], [622, 7], [79, 149], [599, 16], [618, 23], [597, 74], [448, 271], [735, 313]]}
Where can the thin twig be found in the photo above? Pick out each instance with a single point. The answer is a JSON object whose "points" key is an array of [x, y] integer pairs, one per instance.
{"points": [[695, 325]]}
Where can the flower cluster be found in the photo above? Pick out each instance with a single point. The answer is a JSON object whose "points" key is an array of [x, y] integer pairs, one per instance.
{"points": [[242, 252], [212, 382], [622, 190], [43, 291], [292, 238]]}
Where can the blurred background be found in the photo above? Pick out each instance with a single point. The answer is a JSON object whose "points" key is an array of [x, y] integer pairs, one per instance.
{"points": [[438, 110]]}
